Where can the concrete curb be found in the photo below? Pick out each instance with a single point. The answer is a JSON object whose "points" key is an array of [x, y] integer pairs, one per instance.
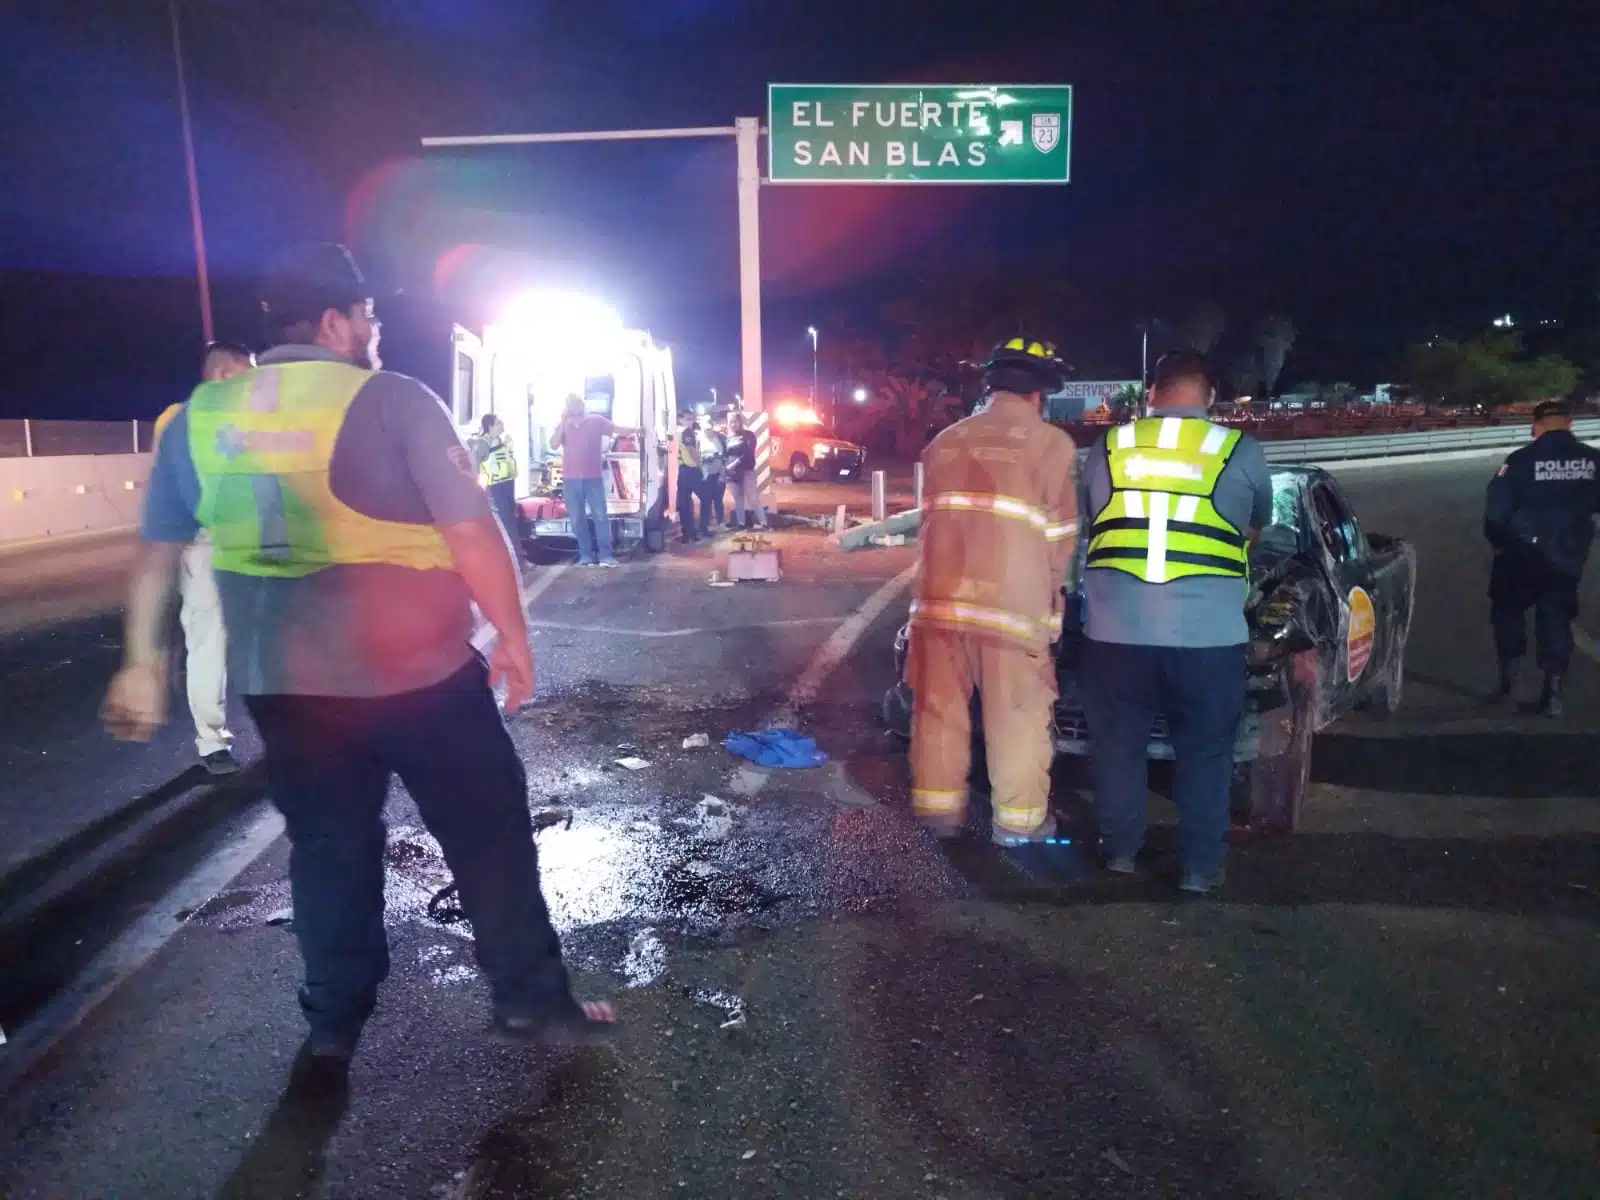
{"points": [[49, 905], [61, 540]]}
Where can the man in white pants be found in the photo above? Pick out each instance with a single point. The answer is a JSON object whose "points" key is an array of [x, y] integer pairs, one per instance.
{"points": [[205, 639]]}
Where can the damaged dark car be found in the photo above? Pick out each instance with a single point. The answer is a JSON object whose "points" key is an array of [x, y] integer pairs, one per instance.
{"points": [[1329, 611]]}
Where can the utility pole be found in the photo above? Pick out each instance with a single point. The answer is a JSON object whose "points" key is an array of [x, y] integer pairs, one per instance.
{"points": [[746, 132], [201, 273]]}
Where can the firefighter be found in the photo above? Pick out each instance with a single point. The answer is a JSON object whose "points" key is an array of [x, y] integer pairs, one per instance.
{"points": [[1176, 500], [998, 528], [497, 473], [1538, 516]]}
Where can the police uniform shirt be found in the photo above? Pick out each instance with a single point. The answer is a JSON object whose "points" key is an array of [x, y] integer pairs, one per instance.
{"points": [[1544, 498]]}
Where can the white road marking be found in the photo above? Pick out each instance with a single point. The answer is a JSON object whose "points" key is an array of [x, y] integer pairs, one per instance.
{"points": [[137, 945], [484, 635]]}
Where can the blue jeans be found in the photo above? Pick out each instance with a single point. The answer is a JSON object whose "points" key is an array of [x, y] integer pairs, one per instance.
{"points": [[1201, 692], [586, 501], [329, 759]]}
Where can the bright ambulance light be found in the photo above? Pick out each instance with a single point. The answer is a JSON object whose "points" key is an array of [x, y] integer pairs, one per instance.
{"points": [[560, 325], [790, 413]]}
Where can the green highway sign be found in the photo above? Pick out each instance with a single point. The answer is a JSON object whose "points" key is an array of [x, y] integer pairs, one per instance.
{"points": [[919, 133]]}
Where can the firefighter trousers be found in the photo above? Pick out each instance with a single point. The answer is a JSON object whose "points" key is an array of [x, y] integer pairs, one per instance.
{"points": [[1017, 690]]}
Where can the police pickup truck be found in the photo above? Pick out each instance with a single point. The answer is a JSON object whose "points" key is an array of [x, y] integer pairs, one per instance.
{"points": [[1329, 610]]}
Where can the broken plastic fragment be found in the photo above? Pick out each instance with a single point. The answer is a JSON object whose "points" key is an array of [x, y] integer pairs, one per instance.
{"points": [[282, 917], [646, 959], [1117, 1161], [632, 763], [697, 741]]}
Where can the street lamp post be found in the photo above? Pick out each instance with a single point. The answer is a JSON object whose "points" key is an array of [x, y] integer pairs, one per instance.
{"points": [[812, 331], [201, 273]]}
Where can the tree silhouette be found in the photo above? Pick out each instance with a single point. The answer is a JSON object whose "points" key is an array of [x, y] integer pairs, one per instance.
{"points": [[1204, 327], [1274, 338]]}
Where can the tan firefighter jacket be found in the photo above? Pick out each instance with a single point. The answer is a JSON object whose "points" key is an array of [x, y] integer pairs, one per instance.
{"points": [[999, 522]]}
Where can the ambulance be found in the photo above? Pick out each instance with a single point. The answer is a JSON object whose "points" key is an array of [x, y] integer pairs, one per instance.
{"points": [[543, 348]]}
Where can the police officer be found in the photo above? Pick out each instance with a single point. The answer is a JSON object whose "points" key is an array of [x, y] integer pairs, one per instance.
{"points": [[1176, 500], [497, 472], [350, 539], [1538, 516]]}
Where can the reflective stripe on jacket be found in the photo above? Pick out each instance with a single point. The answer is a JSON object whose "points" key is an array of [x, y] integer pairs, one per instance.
{"points": [[1159, 523], [999, 518], [262, 444]]}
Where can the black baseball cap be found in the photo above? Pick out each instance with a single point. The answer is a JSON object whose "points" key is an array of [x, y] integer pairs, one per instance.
{"points": [[308, 281], [1551, 408]]}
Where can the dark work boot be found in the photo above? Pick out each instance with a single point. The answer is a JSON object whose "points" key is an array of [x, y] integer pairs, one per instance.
{"points": [[1550, 697], [1506, 695]]}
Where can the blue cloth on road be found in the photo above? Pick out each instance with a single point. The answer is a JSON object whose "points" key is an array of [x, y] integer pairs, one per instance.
{"points": [[777, 748]]}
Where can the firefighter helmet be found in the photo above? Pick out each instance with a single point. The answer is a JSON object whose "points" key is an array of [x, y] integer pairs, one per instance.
{"points": [[1023, 364]]}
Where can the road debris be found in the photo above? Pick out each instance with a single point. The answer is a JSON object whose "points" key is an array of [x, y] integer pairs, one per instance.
{"points": [[748, 1155], [633, 763], [645, 961], [862, 536], [1117, 1161], [777, 748], [548, 818], [281, 917], [716, 822], [697, 741]]}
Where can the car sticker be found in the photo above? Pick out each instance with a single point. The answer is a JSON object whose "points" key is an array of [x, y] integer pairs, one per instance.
{"points": [[1358, 639]]}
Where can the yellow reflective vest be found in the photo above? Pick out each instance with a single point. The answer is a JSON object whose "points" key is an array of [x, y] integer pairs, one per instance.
{"points": [[262, 444], [1160, 523], [499, 464]]}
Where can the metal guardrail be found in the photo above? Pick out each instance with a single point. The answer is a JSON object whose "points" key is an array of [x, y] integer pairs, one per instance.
{"points": [[1399, 445], [55, 439]]}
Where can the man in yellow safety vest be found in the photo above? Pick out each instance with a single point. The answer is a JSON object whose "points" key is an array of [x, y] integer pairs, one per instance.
{"points": [[1176, 500], [350, 539]]}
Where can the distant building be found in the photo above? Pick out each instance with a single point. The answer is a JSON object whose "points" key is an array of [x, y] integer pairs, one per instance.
{"points": [[1070, 403]]}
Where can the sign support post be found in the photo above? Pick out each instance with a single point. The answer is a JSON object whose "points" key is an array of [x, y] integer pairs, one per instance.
{"points": [[747, 133]]}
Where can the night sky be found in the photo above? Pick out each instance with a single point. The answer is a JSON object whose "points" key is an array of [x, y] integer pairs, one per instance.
{"points": [[1375, 171]]}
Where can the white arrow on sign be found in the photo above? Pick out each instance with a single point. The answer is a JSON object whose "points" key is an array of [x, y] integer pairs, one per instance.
{"points": [[1011, 133]]}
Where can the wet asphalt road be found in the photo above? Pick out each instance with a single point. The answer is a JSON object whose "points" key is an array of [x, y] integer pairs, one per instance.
{"points": [[819, 1002]]}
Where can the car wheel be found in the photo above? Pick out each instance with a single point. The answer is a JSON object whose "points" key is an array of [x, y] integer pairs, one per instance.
{"points": [[1384, 696], [799, 469], [1394, 684], [1269, 798], [897, 713]]}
